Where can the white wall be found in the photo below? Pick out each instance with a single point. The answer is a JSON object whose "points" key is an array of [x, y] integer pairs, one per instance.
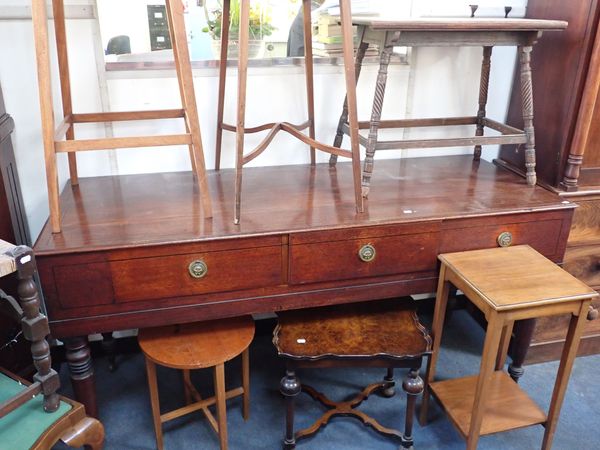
{"points": [[439, 82]]}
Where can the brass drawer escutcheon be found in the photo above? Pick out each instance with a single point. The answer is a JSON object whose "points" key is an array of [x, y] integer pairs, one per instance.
{"points": [[198, 269], [504, 239], [367, 253]]}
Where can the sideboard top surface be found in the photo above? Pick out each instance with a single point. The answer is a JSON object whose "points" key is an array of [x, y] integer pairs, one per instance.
{"points": [[127, 211]]}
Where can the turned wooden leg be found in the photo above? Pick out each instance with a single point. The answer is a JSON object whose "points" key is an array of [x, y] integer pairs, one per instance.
{"points": [[441, 303], [413, 386], [527, 99], [290, 388], [219, 380], [79, 360], [483, 96], [390, 390], [360, 55], [35, 326], [384, 62], [523, 332], [87, 433], [222, 80], [109, 346]]}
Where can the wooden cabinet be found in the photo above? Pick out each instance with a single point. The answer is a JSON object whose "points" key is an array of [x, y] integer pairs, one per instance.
{"points": [[13, 228], [566, 82]]}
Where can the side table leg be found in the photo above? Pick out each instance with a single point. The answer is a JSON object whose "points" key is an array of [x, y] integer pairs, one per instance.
{"points": [[569, 353], [384, 62], [486, 372], [523, 332], [360, 55], [483, 96], [441, 302], [527, 99], [79, 360], [413, 386], [290, 388]]}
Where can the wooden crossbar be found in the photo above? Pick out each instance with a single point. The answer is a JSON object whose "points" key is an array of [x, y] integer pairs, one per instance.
{"points": [[122, 142], [201, 404], [128, 115], [417, 123], [19, 399]]}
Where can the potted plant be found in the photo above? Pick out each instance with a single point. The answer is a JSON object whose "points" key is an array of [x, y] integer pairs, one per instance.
{"points": [[259, 27]]}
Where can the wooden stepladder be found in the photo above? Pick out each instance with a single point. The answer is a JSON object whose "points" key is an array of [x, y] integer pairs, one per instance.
{"points": [[61, 138]]}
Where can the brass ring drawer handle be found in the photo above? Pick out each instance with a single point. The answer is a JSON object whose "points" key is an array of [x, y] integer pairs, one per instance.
{"points": [[504, 239], [198, 269], [367, 253]]}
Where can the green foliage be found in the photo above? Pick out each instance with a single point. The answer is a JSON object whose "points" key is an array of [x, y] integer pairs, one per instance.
{"points": [[260, 21]]}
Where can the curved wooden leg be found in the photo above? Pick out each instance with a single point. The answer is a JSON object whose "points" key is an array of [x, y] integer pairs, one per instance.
{"points": [[79, 360], [289, 388], [87, 433]]}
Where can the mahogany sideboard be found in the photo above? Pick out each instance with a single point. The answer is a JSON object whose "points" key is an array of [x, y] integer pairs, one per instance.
{"points": [[135, 250]]}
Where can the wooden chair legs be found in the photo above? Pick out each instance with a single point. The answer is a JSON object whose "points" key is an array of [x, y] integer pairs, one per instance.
{"points": [[61, 138], [295, 130]]}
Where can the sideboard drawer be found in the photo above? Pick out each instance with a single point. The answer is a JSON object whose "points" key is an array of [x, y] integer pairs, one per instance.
{"points": [[544, 235], [196, 273], [364, 253], [583, 262]]}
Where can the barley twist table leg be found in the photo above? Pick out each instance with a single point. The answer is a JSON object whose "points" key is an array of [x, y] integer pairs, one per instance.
{"points": [[483, 96], [527, 98]]}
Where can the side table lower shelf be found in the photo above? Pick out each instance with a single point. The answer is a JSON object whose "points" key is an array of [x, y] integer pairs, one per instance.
{"points": [[508, 406]]}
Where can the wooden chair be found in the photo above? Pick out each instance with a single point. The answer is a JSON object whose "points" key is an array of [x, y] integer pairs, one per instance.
{"points": [[33, 415], [506, 284], [295, 130], [199, 346], [375, 334], [53, 137]]}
